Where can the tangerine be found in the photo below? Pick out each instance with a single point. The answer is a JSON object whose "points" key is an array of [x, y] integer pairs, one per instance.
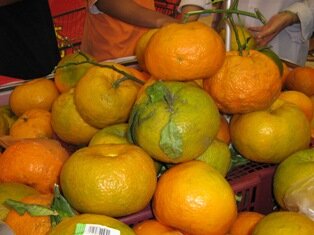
{"points": [[103, 97], [141, 45], [31, 225], [301, 79], [244, 83], [173, 121], [33, 123], [121, 182], [195, 198], [33, 162], [224, 130], [245, 223], [184, 52], [301, 100], [67, 123], [37, 93], [67, 77], [154, 227], [100, 222], [284, 222]]}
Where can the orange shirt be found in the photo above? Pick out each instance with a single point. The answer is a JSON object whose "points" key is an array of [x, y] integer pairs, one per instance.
{"points": [[107, 38]]}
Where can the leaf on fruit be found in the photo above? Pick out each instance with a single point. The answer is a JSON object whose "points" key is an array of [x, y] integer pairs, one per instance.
{"points": [[171, 140], [60, 205], [34, 210]]}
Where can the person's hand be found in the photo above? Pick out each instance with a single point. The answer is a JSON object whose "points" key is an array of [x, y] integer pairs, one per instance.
{"points": [[264, 34]]}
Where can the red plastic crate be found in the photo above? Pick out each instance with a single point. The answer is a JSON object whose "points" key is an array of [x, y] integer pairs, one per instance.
{"points": [[68, 18], [252, 182]]}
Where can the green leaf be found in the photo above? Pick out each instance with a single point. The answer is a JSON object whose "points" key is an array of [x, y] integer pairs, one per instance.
{"points": [[274, 57], [171, 140], [34, 210], [157, 92], [61, 205]]}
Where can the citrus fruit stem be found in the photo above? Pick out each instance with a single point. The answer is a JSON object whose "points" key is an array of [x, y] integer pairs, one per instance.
{"points": [[127, 76], [229, 18]]}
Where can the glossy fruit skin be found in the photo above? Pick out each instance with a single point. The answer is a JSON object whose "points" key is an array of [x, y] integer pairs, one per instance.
{"points": [[284, 223], [121, 182], [270, 135], [297, 168], [301, 100], [67, 226], [33, 123], [244, 83], [218, 155], [34, 162], [301, 79], [67, 123], [184, 52], [245, 223], [141, 45], [173, 121], [37, 93], [113, 134], [195, 198], [154, 227], [101, 100]]}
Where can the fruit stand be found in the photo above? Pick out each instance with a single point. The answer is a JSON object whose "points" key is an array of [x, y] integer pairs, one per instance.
{"points": [[134, 147]]}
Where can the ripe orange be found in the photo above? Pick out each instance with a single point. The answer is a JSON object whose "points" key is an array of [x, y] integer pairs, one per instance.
{"points": [[141, 47], [66, 78], [224, 131], [67, 123], [102, 98], [184, 52], [195, 198], [122, 180], [34, 162], [299, 99], [27, 224], [301, 79], [245, 223], [154, 227], [69, 225], [244, 83], [284, 223], [37, 93], [33, 123], [173, 121]]}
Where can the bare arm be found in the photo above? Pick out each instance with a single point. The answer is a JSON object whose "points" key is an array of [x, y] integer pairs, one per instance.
{"points": [[8, 2], [132, 13]]}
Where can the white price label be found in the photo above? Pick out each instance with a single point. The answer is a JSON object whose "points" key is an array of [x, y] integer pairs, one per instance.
{"points": [[95, 229]]}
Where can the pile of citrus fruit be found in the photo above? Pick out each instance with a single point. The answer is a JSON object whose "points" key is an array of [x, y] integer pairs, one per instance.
{"points": [[103, 141]]}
